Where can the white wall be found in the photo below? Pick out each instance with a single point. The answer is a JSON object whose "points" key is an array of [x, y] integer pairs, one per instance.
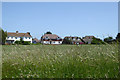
{"points": [[18, 39], [56, 42], [52, 42], [27, 39], [45, 42]]}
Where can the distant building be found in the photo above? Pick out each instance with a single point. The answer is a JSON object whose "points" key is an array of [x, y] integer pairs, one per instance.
{"points": [[35, 40], [12, 37], [74, 40], [88, 39], [51, 39]]}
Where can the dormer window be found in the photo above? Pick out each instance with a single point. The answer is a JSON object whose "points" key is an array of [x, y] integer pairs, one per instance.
{"points": [[73, 38], [58, 37], [46, 37]]}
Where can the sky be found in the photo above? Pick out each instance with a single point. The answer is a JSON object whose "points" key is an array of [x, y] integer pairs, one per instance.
{"points": [[99, 19]]}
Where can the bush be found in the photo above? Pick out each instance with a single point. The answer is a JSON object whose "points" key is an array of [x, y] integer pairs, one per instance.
{"points": [[66, 41], [97, 41], [18, 42], [23, 42], [26, 43], [109, 40]]}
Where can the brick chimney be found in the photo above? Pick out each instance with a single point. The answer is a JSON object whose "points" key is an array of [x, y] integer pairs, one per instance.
{"points": [[16, 31], [28, 33]]}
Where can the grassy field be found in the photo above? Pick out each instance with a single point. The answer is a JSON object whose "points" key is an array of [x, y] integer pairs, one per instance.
{"points": [[60, 61]]}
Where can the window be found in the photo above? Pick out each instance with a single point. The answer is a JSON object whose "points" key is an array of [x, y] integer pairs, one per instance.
{"points": [[29, 37], [15, 37], [59, 41], [12, 37], [25, 37], [46, 37], [8, 37], [73, 38]]}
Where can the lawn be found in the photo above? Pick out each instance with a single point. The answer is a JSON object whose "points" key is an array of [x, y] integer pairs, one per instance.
{"points": [[60, 61]]}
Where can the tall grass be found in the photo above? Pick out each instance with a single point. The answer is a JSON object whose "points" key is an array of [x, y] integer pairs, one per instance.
{"points": [[60, 61]]}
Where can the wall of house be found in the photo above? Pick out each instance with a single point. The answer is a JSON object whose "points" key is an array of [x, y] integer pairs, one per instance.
{"points": [[13, 38], [18, 39], [46, 42], [56, 42], [27, 39], [52, 42]]}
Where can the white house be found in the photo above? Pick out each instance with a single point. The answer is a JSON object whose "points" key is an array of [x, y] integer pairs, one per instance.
{"points": [[12, 37], [51, 39]]}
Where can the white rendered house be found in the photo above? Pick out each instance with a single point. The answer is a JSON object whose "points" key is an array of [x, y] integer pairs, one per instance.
{"points": [[12, 37], [51, 39]]}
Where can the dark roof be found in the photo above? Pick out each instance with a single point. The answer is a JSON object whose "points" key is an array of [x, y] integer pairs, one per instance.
{"points": [[18, 34]]}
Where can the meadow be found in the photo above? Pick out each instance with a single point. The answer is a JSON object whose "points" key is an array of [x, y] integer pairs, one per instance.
{"points": [[60, 61]]}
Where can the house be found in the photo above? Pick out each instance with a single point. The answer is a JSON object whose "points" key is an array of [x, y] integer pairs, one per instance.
{"points": [[51, 39], [35, 40], [16, 36], [88, 39], [74, 40]]}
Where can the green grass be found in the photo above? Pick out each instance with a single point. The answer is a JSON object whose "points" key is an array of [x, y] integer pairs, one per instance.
{"points": [[60, 61]]}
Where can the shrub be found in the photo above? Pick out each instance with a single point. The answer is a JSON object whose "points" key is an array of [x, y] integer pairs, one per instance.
{"points": [[66, 41], [97, 41], [26, 43], [23, 42], [18, 42]]}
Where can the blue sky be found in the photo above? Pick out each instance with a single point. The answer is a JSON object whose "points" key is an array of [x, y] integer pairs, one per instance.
{"points": [[62, 18]]}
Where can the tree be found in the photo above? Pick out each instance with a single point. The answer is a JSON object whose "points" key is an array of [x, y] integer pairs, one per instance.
{"points": [[108, 40], [118, 37], [97, 41], [3, 36], [66, 41], [48, 32], [19, 42]]}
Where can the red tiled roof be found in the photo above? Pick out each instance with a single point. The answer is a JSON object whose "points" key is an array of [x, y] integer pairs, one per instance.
{"points": [[18, 34], [35, 39], [50, 36]]}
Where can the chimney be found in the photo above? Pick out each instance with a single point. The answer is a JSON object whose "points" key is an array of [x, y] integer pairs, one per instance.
{"points": [[28, 33], [16, 31]]}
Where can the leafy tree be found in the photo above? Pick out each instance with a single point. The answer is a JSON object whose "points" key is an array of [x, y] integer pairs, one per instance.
{"points": [[66, 41], [3, 36], [118, 37], [108, 40], [48, 32], [97, 41]]}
